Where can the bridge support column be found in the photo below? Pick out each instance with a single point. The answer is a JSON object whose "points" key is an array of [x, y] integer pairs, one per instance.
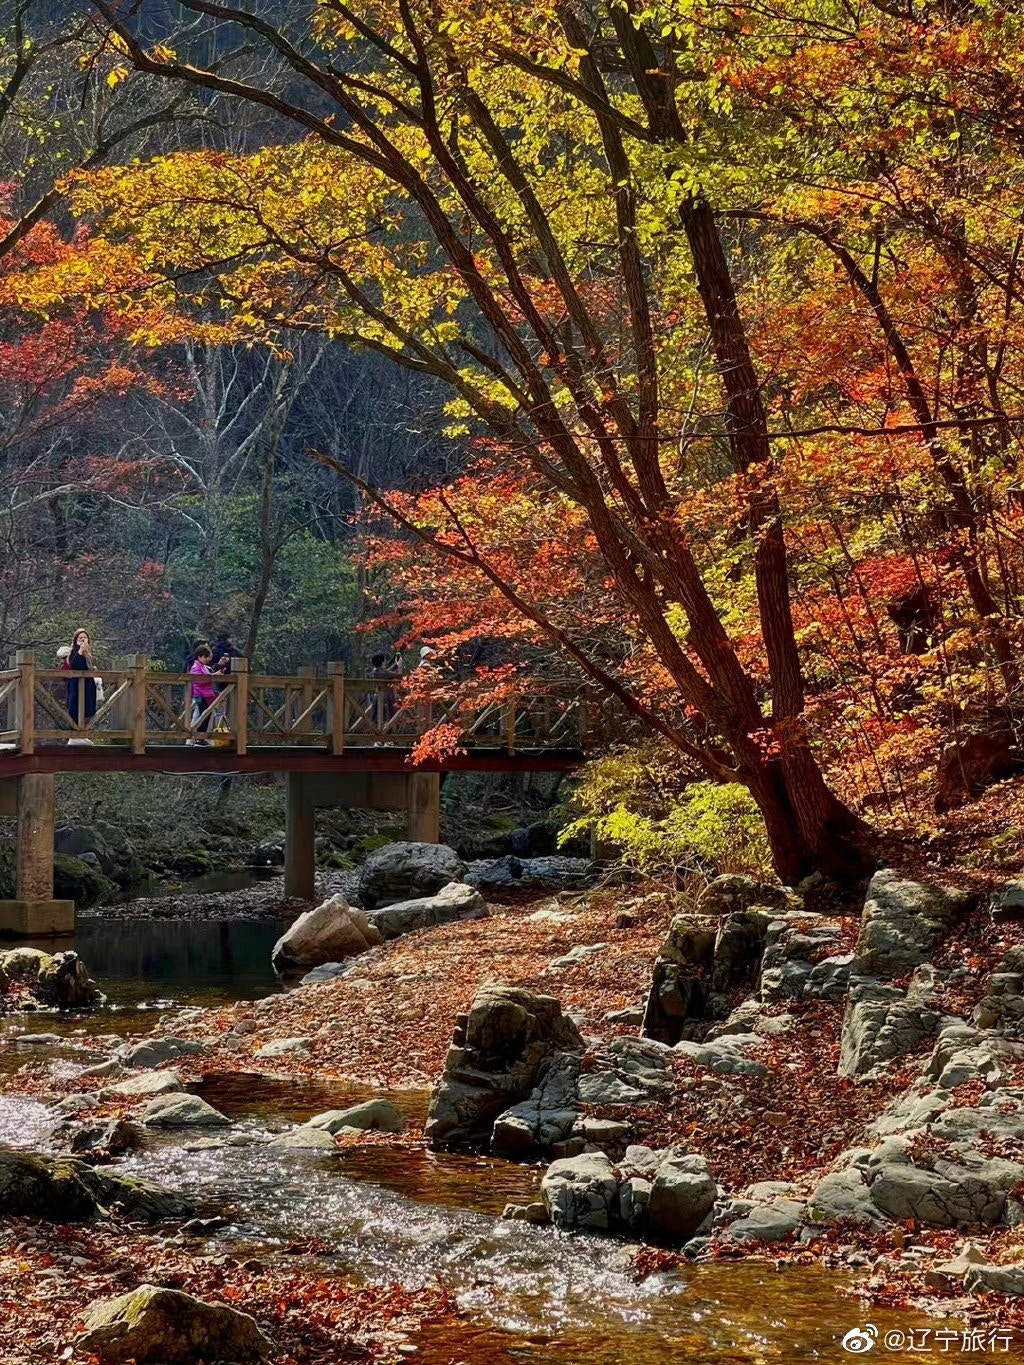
{"points": [[33, 912], [423, 807], [299, 838]]}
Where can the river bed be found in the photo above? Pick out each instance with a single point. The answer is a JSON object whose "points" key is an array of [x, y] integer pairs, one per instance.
{"points": [[393, 1213]]}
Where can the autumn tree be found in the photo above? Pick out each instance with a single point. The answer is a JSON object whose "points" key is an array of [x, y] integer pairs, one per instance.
{"points": [[493, 201]]}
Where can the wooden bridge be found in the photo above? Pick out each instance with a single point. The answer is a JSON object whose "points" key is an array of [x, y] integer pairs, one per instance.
{"points": [[341, 741]]}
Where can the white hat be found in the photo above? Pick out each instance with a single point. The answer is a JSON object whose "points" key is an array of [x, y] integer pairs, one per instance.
{"points": [[426, 652], [64, 652]]}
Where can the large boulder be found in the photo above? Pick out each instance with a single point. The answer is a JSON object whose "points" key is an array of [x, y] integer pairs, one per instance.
{"points": [[64, 981], [330, 933], [75, 879], [494, 1061], [182, 1111], [378, 1115], [23, 965], [682, 973], [407, 871], [844, 1195], [452, 902], [582, 1193], [947, 1196], [705, 960], [547, 1117], [903, 921], [663, 1194], [1002, 1008], [64, 1190], [682, 1195], [153, 1324]]}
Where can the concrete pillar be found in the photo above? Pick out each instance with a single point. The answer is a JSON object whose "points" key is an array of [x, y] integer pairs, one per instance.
{"points": [[423, 804], [34, 910], [299, 839]]}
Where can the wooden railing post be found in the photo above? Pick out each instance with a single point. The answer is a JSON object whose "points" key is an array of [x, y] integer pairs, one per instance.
{"points": [[25, 710], [336, 710], [240, 674], [305, 724], [137, 708]]}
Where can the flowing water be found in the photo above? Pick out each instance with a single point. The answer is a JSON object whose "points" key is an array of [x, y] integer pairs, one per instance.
{"points": [[387, 1213]]}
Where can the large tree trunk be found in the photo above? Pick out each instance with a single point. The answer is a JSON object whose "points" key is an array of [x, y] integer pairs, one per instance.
{"points": [[809, 828]]}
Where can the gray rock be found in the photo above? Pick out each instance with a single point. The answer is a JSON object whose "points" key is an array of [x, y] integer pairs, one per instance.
{"points": [[903, 921], [77, 1104], [830, 978], [495, 1061], [630, 1016], [881, 1023], [604, 1087], [453, 902], [152, 1052], [181, 1111], [769, 1222], [112, 1136], [152, 1324], [306, 1137], [581, 1192], [601, 1132], [995, 1279], [147, 1085], [547, 1117], [973, 1064], [66, 1190], [576, 955], [682, 1195], [787, 981], [407, 871], [844, 1195], [329, 971], [108, 1070], [734, 893], [957, 1198], [378, 1115], [330, 933], [683, 967], [1002, 1008], [24, 964], [721, 1058], [489, 875], [945, 1274], [1007, 905]]}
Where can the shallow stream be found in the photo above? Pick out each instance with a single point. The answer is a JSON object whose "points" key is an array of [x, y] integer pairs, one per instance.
{"points": [[387, 1213]]}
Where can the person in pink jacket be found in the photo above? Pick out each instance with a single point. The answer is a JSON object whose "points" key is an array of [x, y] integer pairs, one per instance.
{"points": [[204, 691]]}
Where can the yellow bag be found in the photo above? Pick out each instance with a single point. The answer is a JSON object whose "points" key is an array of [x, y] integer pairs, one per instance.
{"points": [[222, 735]]}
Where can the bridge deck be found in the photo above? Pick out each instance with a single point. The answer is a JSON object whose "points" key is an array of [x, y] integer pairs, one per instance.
{"points": [[176, 758]]}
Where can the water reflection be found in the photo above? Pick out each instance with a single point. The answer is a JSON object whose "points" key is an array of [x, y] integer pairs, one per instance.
{"points": [[195, 962]]}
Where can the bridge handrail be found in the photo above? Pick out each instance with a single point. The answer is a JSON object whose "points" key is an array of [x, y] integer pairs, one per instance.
{"points": [[142, 706]]}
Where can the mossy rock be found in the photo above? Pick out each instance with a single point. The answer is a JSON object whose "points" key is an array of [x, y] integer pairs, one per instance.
{"points": [[65, 1190], [190, 862], [371, 842], [155, 1324], [78, 881], [338, 862]]}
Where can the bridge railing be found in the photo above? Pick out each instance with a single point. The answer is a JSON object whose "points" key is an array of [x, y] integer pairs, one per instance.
{"points": [[138, 707]]}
